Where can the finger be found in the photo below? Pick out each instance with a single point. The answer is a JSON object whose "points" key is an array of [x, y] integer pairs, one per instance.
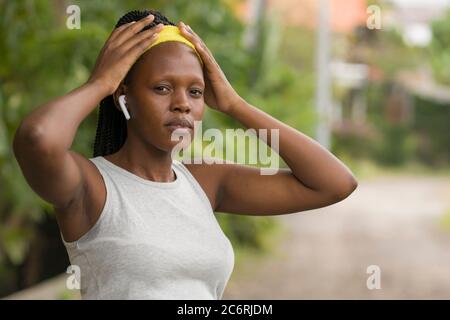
{"points": [[199, 45], [206, 57], [188, 33], [118, 30], [194, 38], [132, 29], [202, 44], [114, 34], [140, 37], [191, 33], [140, 47]]}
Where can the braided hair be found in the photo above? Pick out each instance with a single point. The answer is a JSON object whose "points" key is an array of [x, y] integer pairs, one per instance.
{"points": [[111, 126]]}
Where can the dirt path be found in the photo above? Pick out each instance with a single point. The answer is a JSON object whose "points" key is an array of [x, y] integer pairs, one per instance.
{"points": [[391, 222]]}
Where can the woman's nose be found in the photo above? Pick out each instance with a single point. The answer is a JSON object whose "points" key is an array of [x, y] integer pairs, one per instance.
{"points": [[180, 102]]}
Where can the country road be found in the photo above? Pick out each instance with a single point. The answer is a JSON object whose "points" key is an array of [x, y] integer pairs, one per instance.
{"points": [[391, 222]]}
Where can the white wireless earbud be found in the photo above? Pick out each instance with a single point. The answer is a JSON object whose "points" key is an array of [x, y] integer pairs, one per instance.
{"points": [[123, 107]]}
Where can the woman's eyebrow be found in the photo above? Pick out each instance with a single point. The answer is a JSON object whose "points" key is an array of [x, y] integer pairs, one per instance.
{"points": [[187, 78]]}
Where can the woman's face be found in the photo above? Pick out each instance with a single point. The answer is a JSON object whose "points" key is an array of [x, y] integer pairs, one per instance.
{"points": [[166, 83]]}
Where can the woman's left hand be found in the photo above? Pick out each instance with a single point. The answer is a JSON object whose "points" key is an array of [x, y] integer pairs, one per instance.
{"points": [[219, 94]]}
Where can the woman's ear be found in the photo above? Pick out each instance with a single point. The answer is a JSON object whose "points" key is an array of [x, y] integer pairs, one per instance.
{"points": [[119, 97], [121, 90]]}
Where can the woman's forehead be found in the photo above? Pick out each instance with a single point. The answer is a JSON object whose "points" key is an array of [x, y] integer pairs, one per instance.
{"points": [[169, 61], [172, 58]]}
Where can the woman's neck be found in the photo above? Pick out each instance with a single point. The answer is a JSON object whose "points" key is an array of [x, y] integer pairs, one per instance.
{"points": [[146, 162]]}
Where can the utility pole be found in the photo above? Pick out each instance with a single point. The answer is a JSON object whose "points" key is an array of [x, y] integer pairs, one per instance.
{"points": [[323, 95]]}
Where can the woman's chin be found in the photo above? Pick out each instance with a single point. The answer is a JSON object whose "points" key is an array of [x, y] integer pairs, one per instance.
{"points": [[180, 144]]}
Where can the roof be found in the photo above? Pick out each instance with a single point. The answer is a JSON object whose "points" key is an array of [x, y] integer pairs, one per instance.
{"points": [[345, 14]]}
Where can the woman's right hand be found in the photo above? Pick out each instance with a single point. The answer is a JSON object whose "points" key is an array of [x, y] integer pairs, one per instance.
{"points": [[123, 47]]}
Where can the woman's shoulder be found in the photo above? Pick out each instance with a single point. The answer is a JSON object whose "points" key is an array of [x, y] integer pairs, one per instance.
{"points": [[77, 219], [207, 174]]}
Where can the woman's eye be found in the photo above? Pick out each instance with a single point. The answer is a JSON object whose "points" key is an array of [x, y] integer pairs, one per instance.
{"points": [[161, 89], [197, 92]]}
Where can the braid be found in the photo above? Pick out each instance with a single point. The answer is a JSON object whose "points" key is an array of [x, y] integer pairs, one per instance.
{"points": [[112, 126], [137, 15]]}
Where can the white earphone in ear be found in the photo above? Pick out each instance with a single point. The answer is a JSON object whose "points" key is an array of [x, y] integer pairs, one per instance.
{"points": [[123, 107]]}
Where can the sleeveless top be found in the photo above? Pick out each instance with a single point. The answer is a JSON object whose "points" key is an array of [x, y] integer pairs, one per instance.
{"points": [[153, 240]]}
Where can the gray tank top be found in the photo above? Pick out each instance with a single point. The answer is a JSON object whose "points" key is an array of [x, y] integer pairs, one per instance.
{"points": [[153, 240]]}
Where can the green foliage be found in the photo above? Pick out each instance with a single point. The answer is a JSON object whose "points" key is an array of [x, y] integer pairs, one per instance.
{"points": [[386, 143], [431, 127], [396, 147], [427, 139], [439, 49], [249, 232]]}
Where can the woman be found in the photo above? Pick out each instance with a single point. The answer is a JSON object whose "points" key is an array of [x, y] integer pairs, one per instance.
{"points": [[139, 224]]}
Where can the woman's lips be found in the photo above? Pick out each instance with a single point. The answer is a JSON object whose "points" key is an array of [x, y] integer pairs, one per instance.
{"points": [[173, 127], [183, 124]]}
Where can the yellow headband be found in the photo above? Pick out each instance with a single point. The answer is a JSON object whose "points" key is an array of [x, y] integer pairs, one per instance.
{"points": [[172, 33]]}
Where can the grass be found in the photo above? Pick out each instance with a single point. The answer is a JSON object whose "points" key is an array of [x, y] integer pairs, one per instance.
{"points": [[444, 221], [367, 169], [67, 294], [270, 243]]}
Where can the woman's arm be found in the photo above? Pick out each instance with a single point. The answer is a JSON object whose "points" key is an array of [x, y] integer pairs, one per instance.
{"points": [[313, 165], [42, 141], [315, 178]]}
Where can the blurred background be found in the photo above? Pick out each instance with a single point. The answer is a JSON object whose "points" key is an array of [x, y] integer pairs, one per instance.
{"points": [[369, 80]]}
